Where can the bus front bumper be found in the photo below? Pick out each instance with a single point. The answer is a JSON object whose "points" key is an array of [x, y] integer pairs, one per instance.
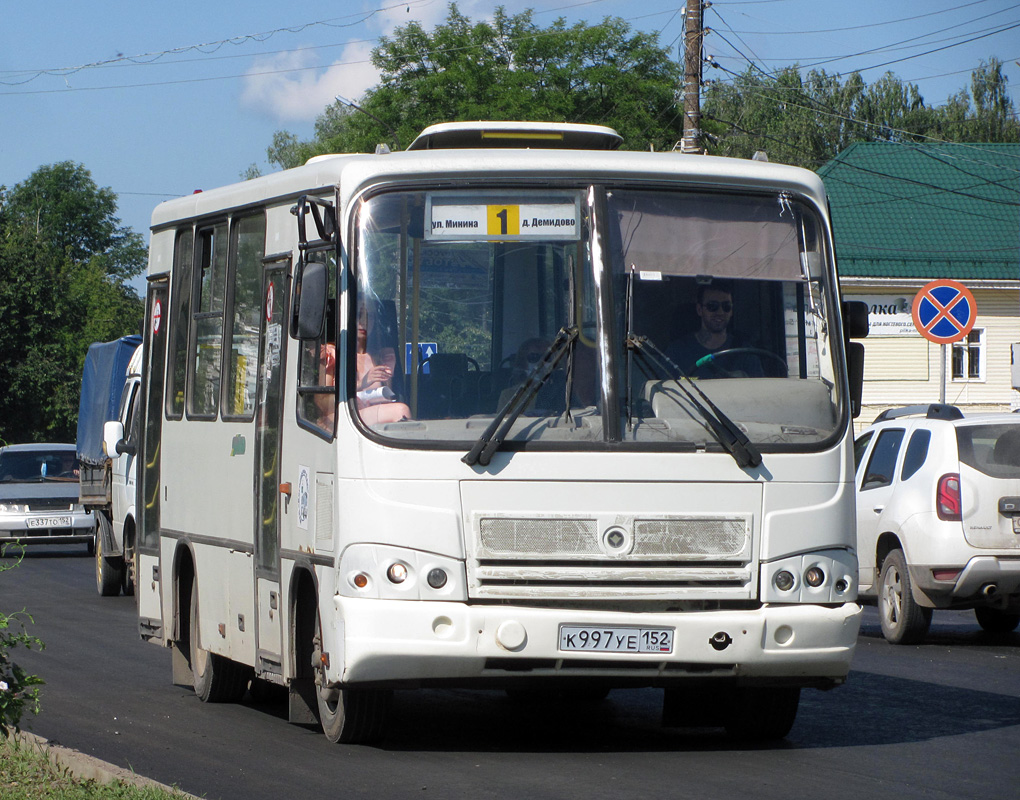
{"points": [[393, 642]]}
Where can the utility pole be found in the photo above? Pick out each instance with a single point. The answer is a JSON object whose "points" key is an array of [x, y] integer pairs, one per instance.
{"points": [[693, 35]]}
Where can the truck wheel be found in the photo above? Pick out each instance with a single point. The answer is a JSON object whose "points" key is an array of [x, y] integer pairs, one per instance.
{"points": [[762, 713], [109, 571], [995, 620], [903, 620], [348, 716], [216, 679]]}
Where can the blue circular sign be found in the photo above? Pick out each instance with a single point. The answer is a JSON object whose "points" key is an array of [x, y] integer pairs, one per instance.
{"points": [[944, 311]]}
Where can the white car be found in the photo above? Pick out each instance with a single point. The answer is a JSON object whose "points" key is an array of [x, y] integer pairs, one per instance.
{"points": [[938, 517]]}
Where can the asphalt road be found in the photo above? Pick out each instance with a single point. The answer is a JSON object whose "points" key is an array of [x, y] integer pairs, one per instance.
{"points": [[940, 720]]}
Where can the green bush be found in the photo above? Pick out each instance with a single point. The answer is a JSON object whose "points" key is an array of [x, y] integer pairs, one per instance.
{"points": [[19, 691]]}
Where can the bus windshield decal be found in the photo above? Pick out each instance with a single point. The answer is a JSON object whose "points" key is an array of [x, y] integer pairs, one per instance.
{"points": [[502, 218]]}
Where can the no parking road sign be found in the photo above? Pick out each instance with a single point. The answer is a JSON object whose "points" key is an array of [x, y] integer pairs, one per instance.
{"points": [[944, 311]]}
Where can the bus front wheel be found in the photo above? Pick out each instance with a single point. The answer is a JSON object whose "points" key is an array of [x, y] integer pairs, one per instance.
{"points": [[348, 716]]}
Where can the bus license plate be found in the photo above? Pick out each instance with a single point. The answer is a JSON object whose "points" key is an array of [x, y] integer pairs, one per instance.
{"points": [[616, 640], [50, 522]]}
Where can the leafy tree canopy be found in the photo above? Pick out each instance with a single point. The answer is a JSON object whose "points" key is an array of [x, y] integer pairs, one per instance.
{"points": [[510, 68], [64, 263], [807, 120], [506, 69]]}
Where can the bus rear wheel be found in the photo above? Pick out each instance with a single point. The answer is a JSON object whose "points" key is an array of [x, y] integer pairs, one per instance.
{"points": [[348, 716], [216, 679]]}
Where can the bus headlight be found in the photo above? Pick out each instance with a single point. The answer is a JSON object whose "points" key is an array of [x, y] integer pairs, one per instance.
{"points": [[825, 576], [784, 580], [399, 573], [437, 578], [815, 576]]}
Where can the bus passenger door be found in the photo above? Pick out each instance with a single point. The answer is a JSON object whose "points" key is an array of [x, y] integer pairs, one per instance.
{"points": [[268, 413], [148, 484]]}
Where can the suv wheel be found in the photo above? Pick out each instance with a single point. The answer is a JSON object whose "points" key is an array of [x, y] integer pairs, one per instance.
{"points": [[903, 620], [995, 620]]}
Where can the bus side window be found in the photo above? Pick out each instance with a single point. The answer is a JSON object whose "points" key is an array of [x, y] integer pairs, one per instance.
{"points": [[207, 322], [244, 318], [180, 320]]}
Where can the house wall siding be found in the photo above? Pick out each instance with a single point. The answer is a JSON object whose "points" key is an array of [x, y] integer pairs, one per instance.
{"points": [[904, 369]]}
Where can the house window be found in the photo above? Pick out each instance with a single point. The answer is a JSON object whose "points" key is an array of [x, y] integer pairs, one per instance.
{"points": [[969, 357]]}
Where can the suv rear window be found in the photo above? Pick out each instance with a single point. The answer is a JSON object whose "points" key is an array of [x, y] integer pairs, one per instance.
{"points": [[991, 449]]}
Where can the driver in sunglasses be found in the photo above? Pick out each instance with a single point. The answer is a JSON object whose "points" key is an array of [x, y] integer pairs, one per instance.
{"points": [[714, 308]]}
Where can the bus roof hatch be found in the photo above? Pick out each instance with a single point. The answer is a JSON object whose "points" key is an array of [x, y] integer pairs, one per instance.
{"points": [[535, 135]]}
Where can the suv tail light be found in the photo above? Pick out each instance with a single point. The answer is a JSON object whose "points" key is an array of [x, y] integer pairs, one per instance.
{"points": [[947, 498]]}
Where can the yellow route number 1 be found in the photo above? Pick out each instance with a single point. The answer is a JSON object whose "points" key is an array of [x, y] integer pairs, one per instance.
{"points": [[503, 220]]}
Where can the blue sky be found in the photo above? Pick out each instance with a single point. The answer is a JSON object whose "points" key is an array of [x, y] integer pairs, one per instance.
{"points": [[159, 99]]}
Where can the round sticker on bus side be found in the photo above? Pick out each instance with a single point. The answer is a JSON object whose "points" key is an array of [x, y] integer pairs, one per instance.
{"points": [[157, 317], [269, 303]]}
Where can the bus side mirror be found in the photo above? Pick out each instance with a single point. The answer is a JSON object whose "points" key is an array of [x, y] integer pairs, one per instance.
{"points": [[855, 375], [855, 319], [855, 326], [310, 296]]}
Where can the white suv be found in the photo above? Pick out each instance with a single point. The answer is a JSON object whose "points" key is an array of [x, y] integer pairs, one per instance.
{"points": [[938, 517]]}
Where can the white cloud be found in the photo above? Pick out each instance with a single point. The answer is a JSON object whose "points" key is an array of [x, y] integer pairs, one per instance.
{"points": [[292, 87]]}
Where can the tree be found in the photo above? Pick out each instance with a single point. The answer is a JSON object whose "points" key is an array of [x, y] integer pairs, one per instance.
{"points": [[64, 264], [507, 69], [807, 120]]}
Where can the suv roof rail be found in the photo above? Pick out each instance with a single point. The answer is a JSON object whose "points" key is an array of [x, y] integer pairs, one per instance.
{"points": [[930, 411]]}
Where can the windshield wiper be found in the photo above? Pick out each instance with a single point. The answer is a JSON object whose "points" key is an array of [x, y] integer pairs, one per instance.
{"points": [[733, 440], [490, 441]]}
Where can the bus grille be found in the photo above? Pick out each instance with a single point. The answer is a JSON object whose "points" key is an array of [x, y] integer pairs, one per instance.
{"points": [[682, 556]]}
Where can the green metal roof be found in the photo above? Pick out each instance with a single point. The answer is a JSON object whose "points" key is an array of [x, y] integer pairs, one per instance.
{"points": [[903, 210]]}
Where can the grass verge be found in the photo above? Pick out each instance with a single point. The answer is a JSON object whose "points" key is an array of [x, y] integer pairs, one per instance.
{"points": [[27, 774]]}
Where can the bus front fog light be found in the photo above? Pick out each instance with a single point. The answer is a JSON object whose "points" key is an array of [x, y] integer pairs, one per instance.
{"points": [[842, 585], [397, 573], [784, 580], [814, 577], [360, 580], [437, 578]]}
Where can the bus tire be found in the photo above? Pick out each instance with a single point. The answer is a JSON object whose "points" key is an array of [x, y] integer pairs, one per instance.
{"points": [[348, 716], [762, 713], [109, 570], [995, 620], [903, 620], [216, 679]]}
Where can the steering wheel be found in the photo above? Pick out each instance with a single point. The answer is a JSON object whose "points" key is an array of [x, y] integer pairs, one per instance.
{"points": [[730, 351]]}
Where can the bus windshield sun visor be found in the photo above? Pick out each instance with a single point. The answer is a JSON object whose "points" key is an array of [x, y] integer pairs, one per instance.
{"points": [[495, 434]]}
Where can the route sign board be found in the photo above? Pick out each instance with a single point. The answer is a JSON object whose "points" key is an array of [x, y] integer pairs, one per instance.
{"points": [[944, 311]]}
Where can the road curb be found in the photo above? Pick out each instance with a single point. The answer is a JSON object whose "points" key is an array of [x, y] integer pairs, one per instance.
{"points": [[86, 767]]}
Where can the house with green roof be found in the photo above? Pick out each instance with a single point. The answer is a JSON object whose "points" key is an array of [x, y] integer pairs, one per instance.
{"points": [[905, 214]]}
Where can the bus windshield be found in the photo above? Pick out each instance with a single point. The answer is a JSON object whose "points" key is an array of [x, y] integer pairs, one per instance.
{"points": [[668, 305]]}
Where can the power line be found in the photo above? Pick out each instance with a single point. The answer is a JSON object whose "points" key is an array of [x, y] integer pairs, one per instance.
{"points": [[233, 40]]}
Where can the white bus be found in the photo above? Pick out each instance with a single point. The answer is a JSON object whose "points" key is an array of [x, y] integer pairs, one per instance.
{"points": [[438, 418]]}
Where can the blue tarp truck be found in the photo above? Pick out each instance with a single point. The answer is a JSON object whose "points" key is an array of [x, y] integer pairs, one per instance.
{"points": [[109, 387]]}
